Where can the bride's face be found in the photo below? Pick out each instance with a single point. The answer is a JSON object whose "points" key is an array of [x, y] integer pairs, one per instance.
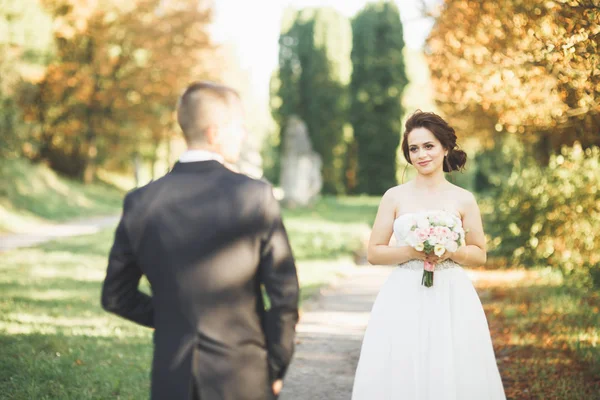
{"points": [[426, 151]]}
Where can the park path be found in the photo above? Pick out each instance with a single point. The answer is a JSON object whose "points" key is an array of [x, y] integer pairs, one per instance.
{"points": [[329, 337], [47, 232]]}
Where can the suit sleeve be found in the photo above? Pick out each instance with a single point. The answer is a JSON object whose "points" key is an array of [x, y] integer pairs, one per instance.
{"points": [[278, 275], [120, 291]]}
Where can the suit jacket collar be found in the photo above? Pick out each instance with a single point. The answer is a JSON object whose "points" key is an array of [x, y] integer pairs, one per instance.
{"points": [[197, 166]]}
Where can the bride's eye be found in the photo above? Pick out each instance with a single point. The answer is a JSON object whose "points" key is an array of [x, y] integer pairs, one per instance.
{"points": [[429, 147], [413, 149]]}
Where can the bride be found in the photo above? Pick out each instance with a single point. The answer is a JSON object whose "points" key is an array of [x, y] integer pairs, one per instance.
{"points": [[427, 343]]}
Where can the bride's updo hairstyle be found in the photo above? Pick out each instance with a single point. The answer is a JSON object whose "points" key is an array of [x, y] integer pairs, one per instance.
{"points": [[456, 158]]}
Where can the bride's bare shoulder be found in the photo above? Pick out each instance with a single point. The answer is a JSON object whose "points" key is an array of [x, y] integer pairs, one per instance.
{"points": [[459, 191], [465, 199], [396, 191]]}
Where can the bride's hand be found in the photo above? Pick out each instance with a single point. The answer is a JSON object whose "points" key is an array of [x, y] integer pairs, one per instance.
{"points": [[432, 258], [419, 255], [447, 255]]}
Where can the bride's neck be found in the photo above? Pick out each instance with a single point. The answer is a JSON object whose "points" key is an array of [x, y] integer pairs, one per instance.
{"points": [[430, 182]]}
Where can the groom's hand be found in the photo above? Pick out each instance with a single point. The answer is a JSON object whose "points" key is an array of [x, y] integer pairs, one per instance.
{"points": [[277, 386]]}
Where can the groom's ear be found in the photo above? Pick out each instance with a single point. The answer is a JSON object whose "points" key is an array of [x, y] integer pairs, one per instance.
{"points": [[211, 134]]}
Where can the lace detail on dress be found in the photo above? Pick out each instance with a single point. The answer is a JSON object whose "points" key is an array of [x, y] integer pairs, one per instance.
{"points": [[417, 265]]}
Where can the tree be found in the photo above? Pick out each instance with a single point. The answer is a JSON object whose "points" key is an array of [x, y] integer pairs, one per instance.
{"points": [[24, 47], [378, 80], [312, 80], [117, 72], [530, 68]]}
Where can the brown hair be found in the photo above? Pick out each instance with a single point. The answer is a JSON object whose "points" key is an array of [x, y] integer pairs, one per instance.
{"points": [[203, 104], [456, 158]]}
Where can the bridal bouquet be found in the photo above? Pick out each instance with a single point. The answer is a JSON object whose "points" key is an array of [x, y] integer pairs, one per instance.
{"points": [[435, 232]]}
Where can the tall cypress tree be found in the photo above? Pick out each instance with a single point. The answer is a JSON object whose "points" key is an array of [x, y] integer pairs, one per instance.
{"points": [[312, 82], [378, 80]]}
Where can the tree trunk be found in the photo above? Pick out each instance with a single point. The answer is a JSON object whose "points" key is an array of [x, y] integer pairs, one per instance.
{"points": [[169, 155], [89, 169], [154, 158], [136, 169]]}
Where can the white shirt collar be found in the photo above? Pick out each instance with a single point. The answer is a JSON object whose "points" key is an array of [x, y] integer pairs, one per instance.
{"points": [[200, 155]]}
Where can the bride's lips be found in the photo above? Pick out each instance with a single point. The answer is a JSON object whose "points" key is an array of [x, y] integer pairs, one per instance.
{"points": [[424, 163]]}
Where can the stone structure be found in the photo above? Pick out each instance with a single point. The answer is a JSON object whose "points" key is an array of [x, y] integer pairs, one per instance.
{"points": [[300, 178]]}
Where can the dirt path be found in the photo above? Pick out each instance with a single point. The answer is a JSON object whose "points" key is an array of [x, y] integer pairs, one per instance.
{"points": [[44, 233], [329, 338]]}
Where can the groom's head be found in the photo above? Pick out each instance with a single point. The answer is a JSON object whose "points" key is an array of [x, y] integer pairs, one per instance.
{"points": [[211, 117]]}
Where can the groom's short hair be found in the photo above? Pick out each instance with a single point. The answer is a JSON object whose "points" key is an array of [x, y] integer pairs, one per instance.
{"points": [[203, 104]]}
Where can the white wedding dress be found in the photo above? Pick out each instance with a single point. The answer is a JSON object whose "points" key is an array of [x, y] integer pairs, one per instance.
{"points": [[427, 343]]}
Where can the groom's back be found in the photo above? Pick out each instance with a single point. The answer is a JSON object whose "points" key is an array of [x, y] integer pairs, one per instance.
{"points": [[208, 240], [196, 234]]}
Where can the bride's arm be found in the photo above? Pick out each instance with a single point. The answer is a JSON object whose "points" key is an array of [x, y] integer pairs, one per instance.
{"points": [[379, 251], [474, 253]]}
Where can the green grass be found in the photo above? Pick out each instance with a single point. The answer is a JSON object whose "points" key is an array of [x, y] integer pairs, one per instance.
{"points": [[546, 334], [32, 194], [325, 236], [55, 340], [334, 227], [57, 343]]}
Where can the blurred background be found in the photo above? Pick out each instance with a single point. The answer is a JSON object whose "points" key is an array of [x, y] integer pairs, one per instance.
{"points": [[87, 96]]}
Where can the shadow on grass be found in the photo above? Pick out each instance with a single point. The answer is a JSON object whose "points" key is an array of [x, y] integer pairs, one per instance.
{"points": [[36, 190], [63, 284], [536, 372], [545, 338], [91, 245], [38, 366]]}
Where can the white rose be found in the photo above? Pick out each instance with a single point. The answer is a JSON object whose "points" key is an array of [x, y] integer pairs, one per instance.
{"points": [[420, 247], [439, 250], [423, 222], [450, 222], [452, 246], [432, 240]]}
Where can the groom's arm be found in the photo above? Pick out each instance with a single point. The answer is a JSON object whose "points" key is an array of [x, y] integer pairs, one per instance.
{"points": [[278, 274], [120, 291]]}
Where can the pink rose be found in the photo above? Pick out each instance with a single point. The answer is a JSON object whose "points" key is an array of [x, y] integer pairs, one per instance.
{"points": [[422, 234]]}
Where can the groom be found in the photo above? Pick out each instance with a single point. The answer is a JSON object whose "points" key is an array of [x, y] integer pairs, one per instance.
{"points": [[209, 241]]}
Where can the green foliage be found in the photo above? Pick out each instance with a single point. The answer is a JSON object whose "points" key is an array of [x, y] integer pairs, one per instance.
{"points": [[109, 90], [314, 70], [24, 47], [378, 80], [550, 215]]}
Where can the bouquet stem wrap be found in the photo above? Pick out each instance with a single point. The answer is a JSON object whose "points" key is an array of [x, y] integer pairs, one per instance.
{"points": [[427, 279]]}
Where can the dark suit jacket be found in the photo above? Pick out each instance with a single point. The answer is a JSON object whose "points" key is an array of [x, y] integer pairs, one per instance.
{"points": [[208, 240]]}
